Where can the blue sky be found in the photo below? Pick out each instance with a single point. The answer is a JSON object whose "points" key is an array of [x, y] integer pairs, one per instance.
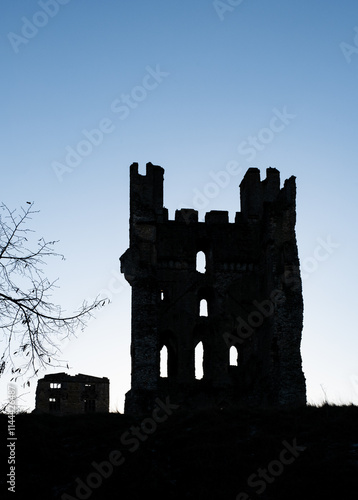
{"points": [[186, 85]]}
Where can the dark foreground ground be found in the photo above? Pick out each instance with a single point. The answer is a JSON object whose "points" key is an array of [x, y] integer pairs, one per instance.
{"points": [[237, 454]]}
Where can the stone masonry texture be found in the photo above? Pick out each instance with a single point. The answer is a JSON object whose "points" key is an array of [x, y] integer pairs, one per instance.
{"points": [[251, 285]]}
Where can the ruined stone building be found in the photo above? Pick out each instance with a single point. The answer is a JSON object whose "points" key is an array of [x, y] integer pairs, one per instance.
{"points": [[244, 309], [64, 394]]}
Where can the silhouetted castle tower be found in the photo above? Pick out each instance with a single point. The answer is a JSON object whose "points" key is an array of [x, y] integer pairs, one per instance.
{"points": [[251, 286]]}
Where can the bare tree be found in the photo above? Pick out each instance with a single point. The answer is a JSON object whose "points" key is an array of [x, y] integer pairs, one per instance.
{"points": [[29, 321]]}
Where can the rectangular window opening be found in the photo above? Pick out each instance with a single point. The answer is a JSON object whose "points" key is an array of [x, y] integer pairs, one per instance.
{"points": [[55, 385]]}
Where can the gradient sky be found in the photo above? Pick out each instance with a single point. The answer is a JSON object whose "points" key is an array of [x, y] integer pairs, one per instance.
{"points": [[190, 86]]}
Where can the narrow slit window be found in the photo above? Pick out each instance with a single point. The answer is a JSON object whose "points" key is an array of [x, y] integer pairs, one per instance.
{"points": [[233, 356], [161, 294], [164, 362], [201, 262], [199, 358], [203, 308]]}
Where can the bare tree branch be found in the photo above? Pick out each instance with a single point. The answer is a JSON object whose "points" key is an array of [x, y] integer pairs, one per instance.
{"points": [[28, 318]]}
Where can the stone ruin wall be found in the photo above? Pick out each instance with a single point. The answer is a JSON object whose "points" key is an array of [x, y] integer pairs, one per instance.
{"points": [[251, 284]]}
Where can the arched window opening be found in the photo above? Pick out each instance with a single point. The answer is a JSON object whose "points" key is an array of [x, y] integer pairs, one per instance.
{"points": [[233, 356], [164, 362], [199, 358], [201, 262], [203, 308]]}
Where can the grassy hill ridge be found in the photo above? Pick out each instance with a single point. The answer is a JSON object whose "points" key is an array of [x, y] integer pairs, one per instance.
{"points": [[233, 454]]}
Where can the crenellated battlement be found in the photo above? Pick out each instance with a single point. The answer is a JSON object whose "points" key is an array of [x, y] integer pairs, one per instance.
{"points": [[146, 197], [186, 215]]}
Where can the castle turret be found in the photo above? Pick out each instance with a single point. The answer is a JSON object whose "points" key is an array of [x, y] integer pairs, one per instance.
{"points": [[146, 194]]}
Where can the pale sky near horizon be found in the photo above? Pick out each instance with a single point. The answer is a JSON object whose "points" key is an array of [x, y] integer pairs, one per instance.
{"points": [[90, 87]]}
